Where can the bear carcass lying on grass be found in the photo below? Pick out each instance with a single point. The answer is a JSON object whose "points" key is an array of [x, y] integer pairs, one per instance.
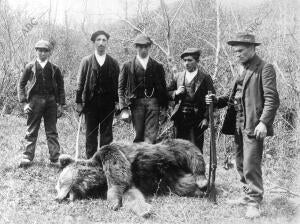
{"points": [[138, 169]]}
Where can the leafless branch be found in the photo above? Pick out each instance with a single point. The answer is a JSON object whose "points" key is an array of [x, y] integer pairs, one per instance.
{"points": [[141, 31], [235, 19], [177, 11], [218, 39], [167, 24], [230, 63], [284, 79]]}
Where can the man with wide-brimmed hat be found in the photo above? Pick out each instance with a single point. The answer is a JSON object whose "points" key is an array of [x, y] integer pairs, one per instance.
{"points": [[97, 93], [188, 89], [252, 105], [44, 98], [142, 91]]}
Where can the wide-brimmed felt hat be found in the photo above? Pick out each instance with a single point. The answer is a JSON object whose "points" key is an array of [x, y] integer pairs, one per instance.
{"points": [[142, 40], [190, 51], [243, 38], [43, 44], [97, 33]]}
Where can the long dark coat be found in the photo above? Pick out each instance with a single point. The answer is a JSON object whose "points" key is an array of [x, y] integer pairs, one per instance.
{"points": [[87, 76], [260, 99]]}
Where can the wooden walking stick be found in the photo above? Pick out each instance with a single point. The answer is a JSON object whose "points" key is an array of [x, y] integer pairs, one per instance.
{"points": [[77, 138], [211, 189]]}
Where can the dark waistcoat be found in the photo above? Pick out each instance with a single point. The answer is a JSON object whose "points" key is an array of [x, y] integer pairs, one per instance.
{"points": [[103, 80], [143, 80], [44, 84], [189, 91]]}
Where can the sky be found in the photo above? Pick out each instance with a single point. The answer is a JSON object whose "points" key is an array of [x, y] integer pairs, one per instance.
{"points": [[76, 9], [98, 10]]}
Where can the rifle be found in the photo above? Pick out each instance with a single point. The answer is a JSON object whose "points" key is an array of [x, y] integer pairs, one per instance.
{"points": [[211, 189]]}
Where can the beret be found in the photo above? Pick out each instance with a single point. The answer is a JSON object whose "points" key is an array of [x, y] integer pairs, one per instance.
{"points": [[97, 33], [190, 51], [142, 40], [43, 44]]}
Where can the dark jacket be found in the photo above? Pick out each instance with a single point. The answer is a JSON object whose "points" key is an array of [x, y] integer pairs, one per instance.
{"points": [[260, 99], [87, 78], [203, 84], [29, 75], [127, 86]]}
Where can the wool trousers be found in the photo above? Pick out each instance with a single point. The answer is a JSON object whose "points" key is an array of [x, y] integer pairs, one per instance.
{"points": [[43, 106], [99, 118], [145, 119], [248, 161], [187, 128]]}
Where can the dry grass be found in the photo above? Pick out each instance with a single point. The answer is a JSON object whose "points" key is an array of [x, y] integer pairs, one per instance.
{"points": [[27, 194]]}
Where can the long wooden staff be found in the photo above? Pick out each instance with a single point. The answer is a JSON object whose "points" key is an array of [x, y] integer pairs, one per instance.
{"points": [[77, 138]]}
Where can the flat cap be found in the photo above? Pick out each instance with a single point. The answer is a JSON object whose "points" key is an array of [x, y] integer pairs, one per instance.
{"points": [[142, 40], [97, 33], [190, 51], [43, 44], [243, 38]]}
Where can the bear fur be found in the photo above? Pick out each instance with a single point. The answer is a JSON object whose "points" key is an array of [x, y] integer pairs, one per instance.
{"points": [[80, 179], [135, 170], [173, 165]]}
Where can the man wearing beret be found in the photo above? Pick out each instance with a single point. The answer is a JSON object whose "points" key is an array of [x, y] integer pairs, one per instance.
{"points": [[142, 89], [188, 89], [97, 92], [44, 99], [252, 105]]}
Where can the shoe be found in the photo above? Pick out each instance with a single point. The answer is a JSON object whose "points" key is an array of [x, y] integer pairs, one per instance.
{"points": [[25, 162], [246, 189], [238, 201], [55, 163], [253, 211]]}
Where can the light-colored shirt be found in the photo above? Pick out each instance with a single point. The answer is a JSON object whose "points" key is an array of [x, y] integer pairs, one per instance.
{"points": [[100, 58], [189, 76], [42, 63], [143, 61]]}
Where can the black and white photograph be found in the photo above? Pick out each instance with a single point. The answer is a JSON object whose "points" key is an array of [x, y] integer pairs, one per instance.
{"points": [[149, 111]]}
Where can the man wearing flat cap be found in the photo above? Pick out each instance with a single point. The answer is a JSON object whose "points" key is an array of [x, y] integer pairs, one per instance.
{"points": [[97, 93], [44, 98], [252, 104], [142, 90], [188, 89]]}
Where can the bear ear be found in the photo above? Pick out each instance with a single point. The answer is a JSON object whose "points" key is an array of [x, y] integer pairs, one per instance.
{"points": [[65, 160], [97, 158], [104, 151]]}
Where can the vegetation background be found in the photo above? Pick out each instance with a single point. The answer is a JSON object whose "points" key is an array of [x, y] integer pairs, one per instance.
{"points": [[28, 194]]}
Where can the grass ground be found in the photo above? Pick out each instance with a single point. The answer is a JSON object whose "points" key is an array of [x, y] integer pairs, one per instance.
{"points": [[26, 195]]}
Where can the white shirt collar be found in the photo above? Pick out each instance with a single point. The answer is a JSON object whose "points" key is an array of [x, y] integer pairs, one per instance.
{"points": [[143, 61], [190, 75], [42, 63], [100, 58]]}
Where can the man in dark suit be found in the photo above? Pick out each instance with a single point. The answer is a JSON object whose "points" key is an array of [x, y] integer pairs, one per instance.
{"points": [[142, 89], [252, 105], [44, 98], [97, 92], [188, 89]]}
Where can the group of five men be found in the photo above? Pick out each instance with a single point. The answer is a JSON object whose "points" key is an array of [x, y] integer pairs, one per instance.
{"points": [[140, 91]]}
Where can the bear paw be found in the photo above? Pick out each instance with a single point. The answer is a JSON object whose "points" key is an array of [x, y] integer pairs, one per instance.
{"points": [[201, 182], [115, 205]]}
